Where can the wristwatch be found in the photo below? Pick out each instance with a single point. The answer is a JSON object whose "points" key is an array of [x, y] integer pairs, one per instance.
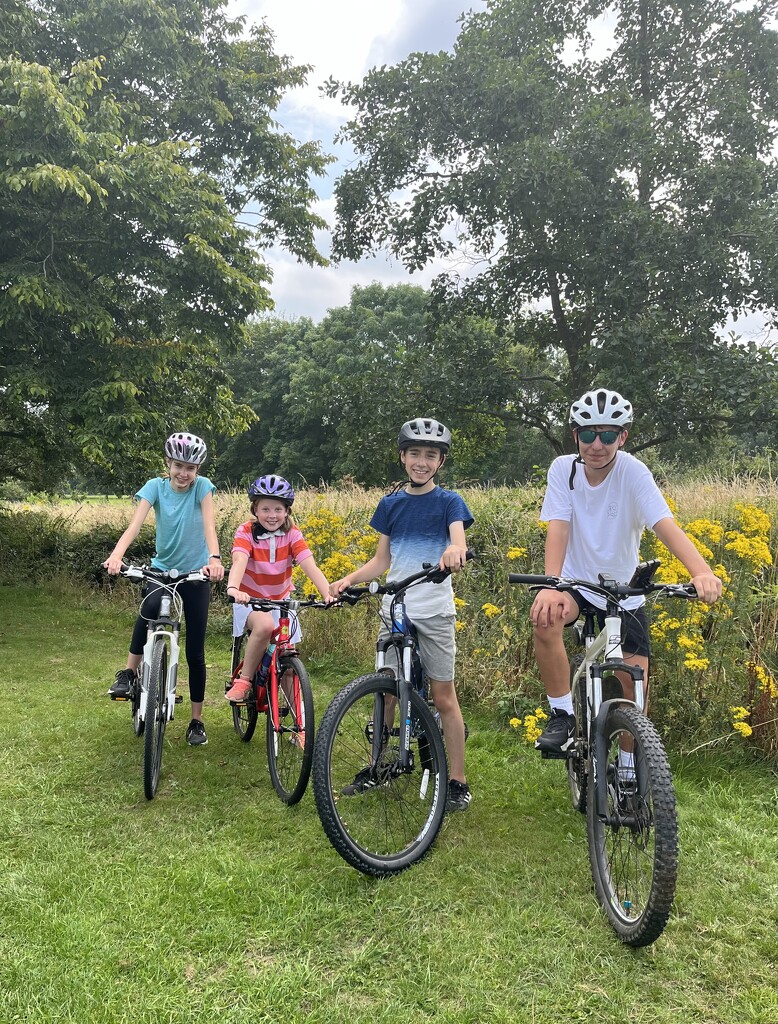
{"points": [[216, 556]]}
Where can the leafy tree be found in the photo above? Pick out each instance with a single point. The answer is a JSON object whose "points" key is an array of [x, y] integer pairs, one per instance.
{"points": [[618, 207], [287, 436], [381, 360], [134, 136]]}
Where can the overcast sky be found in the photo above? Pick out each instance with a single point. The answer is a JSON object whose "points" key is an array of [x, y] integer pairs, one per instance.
{"points": [[342, 39]]}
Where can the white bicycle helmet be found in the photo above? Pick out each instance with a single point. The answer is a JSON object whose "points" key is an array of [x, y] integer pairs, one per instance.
{"points": [[186, 448], [424, 431], [601, 408]]}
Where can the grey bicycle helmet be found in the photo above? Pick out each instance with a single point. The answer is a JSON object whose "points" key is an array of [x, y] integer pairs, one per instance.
{"points": [[272, 486], [601, 408], [424, 431], [186, 448]]}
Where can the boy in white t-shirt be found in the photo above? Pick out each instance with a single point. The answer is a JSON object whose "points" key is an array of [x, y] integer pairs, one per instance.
{"points": [[597, 505]]}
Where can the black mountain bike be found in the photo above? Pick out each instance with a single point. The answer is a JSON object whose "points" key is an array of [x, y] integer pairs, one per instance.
{"points": [[380, 776], [629, 803]]}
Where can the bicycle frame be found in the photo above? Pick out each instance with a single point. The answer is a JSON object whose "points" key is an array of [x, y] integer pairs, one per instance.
{"points": [[280, 646], [608, 643], [167, 629], [404, 640], [605, 645]]}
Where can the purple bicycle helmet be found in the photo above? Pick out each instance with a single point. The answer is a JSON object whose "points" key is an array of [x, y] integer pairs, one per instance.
{"points": [[272, 486], [185, 447]]}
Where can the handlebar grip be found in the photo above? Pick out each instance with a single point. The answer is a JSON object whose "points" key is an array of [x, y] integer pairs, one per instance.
{"points": [[533, 580]]}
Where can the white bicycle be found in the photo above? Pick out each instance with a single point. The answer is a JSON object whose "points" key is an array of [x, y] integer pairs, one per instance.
{"points": [[629, 802], [153, 693]]}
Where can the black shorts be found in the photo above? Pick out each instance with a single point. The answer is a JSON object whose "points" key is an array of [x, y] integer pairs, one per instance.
{"points": [[634, 625]]}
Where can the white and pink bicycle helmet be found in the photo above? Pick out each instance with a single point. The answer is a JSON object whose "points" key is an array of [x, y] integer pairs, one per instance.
{"points": [[186, 448]]}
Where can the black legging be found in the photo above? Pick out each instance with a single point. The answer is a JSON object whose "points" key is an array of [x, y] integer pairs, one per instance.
{"points": [[196, 597]]}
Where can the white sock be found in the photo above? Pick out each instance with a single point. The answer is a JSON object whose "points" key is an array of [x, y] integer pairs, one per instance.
{"points": [[564, 703], [626, 764]]}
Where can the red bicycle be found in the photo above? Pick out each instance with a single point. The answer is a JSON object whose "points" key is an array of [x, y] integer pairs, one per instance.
{"points": [[281, 690]]}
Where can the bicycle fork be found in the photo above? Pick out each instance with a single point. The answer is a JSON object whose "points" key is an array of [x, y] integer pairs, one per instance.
{"points": [[167, 632], [599, 739]]}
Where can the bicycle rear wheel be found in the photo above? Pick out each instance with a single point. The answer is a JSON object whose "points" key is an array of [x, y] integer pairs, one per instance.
{"points": [[156, 719], [577, 755], [380, 818], [634, 852], [244, 715], [290, 740]]}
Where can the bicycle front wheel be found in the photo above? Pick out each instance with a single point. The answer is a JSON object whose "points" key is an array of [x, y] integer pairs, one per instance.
{"points": [[244, 713], [290, 739], [156, 719], [380, 817], [634, 851]]}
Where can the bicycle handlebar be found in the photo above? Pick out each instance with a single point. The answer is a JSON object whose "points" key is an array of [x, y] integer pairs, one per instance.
{"points": [[428, 574], [608, 588], [142, 572], [267, 604]]}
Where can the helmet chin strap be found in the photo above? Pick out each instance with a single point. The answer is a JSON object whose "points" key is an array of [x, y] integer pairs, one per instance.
{"points": [[413, 486], [578, 460]]}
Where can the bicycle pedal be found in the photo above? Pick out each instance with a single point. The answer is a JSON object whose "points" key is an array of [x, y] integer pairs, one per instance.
{"points": [[179, 699], [553, 755], [122, 700]]}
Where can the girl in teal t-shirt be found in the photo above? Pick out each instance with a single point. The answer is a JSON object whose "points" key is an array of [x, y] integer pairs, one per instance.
{"points": [[186, 541]]}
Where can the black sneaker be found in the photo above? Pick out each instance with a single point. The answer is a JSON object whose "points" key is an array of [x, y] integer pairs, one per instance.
{"points": [[364, 780], [458, 797], [122, 685], [195, 733], [558, 734]]}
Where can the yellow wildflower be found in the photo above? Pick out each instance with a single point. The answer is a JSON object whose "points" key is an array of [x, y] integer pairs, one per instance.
{"points": [[739, 712], [491, 611], [705, 528], [765, 681], [753, 520], [459, 603], [694, 663], [743, 728], [514, 553], [752, 550], [514, 723]]}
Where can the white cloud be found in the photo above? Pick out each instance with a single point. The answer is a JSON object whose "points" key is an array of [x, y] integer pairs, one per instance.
{"points": [[342, 39]]}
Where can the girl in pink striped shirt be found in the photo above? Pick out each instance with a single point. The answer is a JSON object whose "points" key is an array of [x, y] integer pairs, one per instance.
{"points": [[263, 554]]}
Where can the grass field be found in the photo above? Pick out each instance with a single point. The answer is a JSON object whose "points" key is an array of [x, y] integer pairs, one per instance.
{"points": [[216, 902]]}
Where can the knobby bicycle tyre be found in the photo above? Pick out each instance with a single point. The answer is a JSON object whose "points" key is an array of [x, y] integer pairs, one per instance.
{"points": [[290, 746], [244, 715], [389, 819], [577, 757], [634, 854], [156, 719]]}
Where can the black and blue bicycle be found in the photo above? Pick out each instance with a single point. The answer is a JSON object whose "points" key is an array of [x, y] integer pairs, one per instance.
{"points": [[380, 776]]}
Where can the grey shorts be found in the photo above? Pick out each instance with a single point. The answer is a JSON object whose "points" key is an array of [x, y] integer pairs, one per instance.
{"points": [[437, 647]]}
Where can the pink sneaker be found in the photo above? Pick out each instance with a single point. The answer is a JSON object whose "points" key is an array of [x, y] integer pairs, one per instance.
{"points": [[240, 690]]}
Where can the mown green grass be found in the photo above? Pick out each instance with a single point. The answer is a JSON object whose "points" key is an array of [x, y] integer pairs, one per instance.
{"points": [[216, 902]]}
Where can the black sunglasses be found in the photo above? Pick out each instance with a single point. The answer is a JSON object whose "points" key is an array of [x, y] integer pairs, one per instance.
{"points": [[588, 434]]}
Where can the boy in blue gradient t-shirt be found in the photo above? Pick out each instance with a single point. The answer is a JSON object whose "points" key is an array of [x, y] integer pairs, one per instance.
{"points": [[418, 523]]}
